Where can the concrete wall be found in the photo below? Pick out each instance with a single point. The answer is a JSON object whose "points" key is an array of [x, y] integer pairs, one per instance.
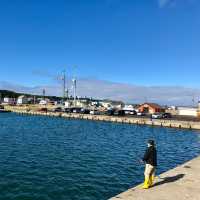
{"points": [[129, 120]]}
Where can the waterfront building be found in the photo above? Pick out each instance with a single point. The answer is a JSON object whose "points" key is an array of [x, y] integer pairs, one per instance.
{"points": [[129, 107], [9, 100], [172, 110], [52, 103], [82, 103], [198, 109], [187, 111], [111, 104], [31, 100], [94, 103], [22, 100], [43, 102], [106, 105], [68, 104], [150, 108]]}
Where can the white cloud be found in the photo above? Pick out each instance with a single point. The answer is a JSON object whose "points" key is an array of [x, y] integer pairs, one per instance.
{"points": [[172, 3], [163, 3], [171, 95]]}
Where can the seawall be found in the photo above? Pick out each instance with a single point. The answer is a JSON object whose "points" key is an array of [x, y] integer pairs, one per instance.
{"points": [[130, 120], [180, 183]]}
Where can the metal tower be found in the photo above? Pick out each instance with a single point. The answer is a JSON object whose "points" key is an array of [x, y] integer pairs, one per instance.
{"points": [[74, 90], [64, 84], [43, 94]]}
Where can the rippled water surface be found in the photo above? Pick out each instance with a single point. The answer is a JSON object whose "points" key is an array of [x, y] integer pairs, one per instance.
{"points": [[43, 158]]}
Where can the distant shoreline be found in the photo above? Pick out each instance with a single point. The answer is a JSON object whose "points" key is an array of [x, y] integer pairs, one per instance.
{"points": [[128, 120]]}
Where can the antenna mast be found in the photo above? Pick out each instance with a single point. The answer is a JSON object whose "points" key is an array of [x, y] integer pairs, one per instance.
{"points": [[43, 94], [74, 90], [64, 84]]}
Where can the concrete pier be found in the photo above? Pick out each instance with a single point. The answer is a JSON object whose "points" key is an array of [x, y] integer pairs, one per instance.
{"points": [[181, 183], [130, 120]]}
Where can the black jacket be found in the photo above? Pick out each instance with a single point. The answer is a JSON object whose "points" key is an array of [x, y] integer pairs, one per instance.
{"points": [[150, 156]]}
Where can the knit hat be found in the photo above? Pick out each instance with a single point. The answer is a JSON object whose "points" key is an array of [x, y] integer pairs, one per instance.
{"points": [[151, 142]]}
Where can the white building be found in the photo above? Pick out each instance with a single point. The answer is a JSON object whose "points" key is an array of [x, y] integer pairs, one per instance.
{"points": [[106, 104], [94, 103], [81, 104], [68, 104], [187, 111], [8, 100], [43, 102], [129, 107], [22, 100], [198, 110]]}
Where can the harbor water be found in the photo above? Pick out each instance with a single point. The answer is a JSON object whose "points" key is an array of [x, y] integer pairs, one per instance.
{"points": [[49, 158]]}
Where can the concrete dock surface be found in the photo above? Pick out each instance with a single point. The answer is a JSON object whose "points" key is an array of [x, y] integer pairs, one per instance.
{"points": [[180, 183]]}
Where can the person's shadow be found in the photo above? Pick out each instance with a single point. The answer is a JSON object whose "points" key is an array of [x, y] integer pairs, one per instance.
{"points": [[169, 179]]}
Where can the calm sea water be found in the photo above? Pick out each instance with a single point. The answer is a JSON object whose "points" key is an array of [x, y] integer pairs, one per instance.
{"points": [[43, 158]]}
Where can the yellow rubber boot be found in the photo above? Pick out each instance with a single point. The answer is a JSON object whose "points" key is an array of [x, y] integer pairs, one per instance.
{"points": [[146, 184], [151, 179]]}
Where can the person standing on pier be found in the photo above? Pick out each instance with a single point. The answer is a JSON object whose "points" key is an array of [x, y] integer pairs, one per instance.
{"points": [[150, 159]]}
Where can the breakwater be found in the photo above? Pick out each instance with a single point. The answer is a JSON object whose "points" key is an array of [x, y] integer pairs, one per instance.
{"points": [[130, 120]]}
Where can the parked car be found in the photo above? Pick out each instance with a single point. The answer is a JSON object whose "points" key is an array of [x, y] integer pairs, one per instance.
{"points": [[130, 112], [76, 110], [157, 116], [119, 112], [85, 111], [167, 115], [141, 114], [110, 112], [68, 110], [94, 112], [58, 109]]}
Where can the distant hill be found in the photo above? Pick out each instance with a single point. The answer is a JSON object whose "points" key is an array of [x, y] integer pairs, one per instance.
{"points": [[8, 93], [12, 94]]}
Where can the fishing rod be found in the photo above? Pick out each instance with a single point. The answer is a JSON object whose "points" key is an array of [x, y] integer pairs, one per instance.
{"points": [[140, 162]]}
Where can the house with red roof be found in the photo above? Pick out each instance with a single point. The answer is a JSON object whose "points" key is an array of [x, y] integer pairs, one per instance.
{"points": [[150, 108]]}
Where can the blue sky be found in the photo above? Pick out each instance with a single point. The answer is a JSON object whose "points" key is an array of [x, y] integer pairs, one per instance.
{"points": [[141, 42]]}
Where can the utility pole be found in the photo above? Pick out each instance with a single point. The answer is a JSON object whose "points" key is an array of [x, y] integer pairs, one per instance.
{"points": [[43, 94], [65, 92], [74, 90], [64, 84], [34, 99], [193, 100]]}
